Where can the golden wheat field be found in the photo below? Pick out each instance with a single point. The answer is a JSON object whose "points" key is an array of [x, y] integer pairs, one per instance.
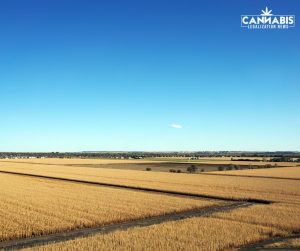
{"points": [[33, 206], [280, 172], [283, 216], [89, 161], [189, 234], [236, 162], [78, 161], [223, 186]]}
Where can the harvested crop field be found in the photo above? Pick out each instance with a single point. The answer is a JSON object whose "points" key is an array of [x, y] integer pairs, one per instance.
{"points": [[141, 165], [189, 234], [217, 185], [61, 161], [283, 172], [283, 216], [32, 206], [46, 205], [204, 161]]}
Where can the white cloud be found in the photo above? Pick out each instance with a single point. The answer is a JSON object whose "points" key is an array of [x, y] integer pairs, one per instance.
{"points": [[176, 126]]}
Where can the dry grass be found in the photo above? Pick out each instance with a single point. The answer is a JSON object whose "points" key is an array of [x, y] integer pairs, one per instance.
{"points": [[67, 161], [228, 160], [224, 186], [279, 215], [254, 163], [284, 172], [189, 234], [32, 206], [58, 206], [215, 161]]}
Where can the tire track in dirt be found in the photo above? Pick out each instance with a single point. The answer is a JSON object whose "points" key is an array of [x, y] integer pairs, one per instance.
{"points": [[143, 189], [69, 235], [260, 245]]}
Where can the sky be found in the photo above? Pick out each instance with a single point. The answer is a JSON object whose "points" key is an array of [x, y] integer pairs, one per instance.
{"points": [[151, 75]]}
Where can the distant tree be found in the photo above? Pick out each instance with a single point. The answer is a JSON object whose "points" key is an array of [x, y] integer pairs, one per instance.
{"points": [[221, 168], [192, 169], [178, 171], [148, 169], [172, 170], [202, 170], [236, 167], [230, 167]]}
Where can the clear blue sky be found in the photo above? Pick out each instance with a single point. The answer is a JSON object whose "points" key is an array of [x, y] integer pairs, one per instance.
{"points": [[115, 75]]}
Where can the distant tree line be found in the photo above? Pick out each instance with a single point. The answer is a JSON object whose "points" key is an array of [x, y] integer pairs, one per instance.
{"points": [[275, 156], [238, 167], [284, 159]]}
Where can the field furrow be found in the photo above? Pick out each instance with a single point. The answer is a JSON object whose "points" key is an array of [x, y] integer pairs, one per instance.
{"points": [[200, 233], [224, 186], [31, 206]]}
